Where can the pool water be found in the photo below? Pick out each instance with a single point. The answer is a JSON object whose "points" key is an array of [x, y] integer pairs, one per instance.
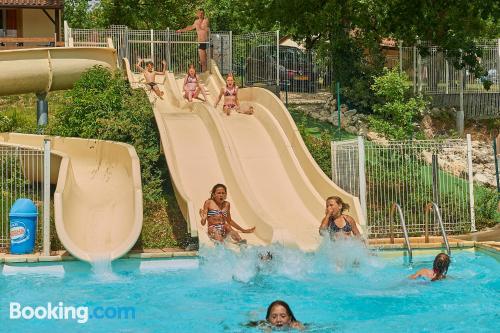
{"points": [[341, 288]]}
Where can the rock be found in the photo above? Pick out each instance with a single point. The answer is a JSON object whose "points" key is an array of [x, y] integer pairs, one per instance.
{"points": [[350, 113], [352, 130], [484, 179]]}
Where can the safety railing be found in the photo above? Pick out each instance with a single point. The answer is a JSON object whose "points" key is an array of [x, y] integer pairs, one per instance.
{"points": [[396, 207], [437, 213], [25, 173]]}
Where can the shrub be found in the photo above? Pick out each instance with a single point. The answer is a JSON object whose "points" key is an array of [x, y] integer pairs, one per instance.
{"points": [[102, 106], [486, 207], [396, 115], [318, 147]]}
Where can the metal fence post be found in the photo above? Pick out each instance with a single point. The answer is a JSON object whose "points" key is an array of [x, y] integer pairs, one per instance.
{"points": [[414, 70], [169, 50], [362, 175], [497, 171], [126, 44], [46, 197], [277, 59], [447, 76], [400, 57], [66, 33], [471, 184], [460, 112], [419, 70], [231, 51], [152, 46]]}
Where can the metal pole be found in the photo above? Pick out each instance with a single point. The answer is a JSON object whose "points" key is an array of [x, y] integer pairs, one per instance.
{"points": [[400, 57], [471, 184], [277, 59], [435, 179], [222, 54], [419, 71], [231, 51], [42, 110], [46, 197], [447, 76], [460, 112], [338, 108], [152, 46], [169, 50], [362, 176], [414, 70]]}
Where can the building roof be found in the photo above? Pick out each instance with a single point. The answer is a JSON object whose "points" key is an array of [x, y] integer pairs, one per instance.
{"points": [[32, 4]]}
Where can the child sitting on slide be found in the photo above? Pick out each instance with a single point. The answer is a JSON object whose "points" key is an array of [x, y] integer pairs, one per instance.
{"points": [[192, 87], [150, 75], [231, 102]]}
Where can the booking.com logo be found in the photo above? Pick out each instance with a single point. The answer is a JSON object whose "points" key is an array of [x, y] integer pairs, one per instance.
{"points": [[59, 311]]}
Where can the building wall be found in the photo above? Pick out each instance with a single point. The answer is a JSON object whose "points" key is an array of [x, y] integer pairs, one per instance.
{"points": [[36, 24]]}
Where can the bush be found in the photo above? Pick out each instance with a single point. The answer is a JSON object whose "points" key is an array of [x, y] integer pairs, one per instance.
{"points": [[486, 207], [318, 147], [396, 115], [102, 106]]}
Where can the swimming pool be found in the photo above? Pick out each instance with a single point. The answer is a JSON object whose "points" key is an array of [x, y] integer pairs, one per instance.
{"points": [[222, 290]]}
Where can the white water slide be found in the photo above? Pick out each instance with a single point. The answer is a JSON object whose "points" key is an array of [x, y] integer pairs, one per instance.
{"points": [[273, 181]]}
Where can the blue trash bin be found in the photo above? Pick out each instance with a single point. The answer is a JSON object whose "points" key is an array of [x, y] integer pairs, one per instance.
{"points": [[23, 217]]}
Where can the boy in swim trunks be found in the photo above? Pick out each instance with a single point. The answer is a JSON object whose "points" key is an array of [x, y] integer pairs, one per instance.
{"points": [[150, 75]]}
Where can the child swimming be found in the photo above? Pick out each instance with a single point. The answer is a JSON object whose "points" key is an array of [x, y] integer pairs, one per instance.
{"points": [[438, 271]]}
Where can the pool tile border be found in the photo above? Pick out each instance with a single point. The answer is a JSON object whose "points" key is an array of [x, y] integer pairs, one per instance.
{"points": [[56, 256]]}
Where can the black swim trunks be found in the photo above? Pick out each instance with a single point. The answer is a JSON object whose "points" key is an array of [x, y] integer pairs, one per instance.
{"points": [[202, 46], [152, 84]]}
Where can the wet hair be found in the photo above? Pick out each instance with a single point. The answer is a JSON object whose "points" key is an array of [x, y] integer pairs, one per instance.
{"points": [[149, 63], [340, 202], [440, 266], [216, 186], [283, 304]]}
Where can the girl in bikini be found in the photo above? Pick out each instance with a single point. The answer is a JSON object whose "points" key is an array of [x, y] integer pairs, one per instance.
{"points": [[192, 86], [217, 212], [336, 223], [231, 102]]}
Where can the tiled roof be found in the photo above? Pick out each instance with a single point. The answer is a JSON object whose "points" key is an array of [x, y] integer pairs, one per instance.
{"points": [[32, 3]]}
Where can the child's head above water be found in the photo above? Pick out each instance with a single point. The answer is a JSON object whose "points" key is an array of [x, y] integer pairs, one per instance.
{"points": [[440, 266], [279, 314]]}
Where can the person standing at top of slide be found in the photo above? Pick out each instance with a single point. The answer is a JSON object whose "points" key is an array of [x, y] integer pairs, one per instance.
{"points": [[201, 25]]}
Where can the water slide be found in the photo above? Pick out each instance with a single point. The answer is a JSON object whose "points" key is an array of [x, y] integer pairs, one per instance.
{"points": [[98, 194], [273, 181]]}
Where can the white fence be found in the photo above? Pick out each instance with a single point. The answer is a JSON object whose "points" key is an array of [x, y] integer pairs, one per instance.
{"points": [[412, 174], [436, 76], [25, 173]]}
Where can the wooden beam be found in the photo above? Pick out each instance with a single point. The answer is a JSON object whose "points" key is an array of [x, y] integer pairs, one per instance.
{"points": [[50, 17], [58, 25]]}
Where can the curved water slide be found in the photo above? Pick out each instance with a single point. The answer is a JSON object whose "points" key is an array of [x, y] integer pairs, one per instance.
{"points": [[272, 179], [98, 195]]}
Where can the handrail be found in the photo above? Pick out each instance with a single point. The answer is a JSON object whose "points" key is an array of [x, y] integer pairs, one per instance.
{"points": [[437, 212], [403, 224]]}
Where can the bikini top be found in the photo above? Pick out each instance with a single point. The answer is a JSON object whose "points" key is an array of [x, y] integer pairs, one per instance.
{"points": [[191, 79], [214, 212], [231, 92], [334, 228]]}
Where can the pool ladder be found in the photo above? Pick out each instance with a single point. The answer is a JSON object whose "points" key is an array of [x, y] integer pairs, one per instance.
{"points": [[396, 207], [437, 213]]}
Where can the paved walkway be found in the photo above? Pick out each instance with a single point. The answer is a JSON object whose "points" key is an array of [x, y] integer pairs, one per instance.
{"points": [[482, 236]]}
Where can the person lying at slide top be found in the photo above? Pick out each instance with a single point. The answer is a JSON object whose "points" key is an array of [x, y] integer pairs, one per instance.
{"points": [[336, 223], [150, 75], [231, 102], [217, 212], [192, 87]]}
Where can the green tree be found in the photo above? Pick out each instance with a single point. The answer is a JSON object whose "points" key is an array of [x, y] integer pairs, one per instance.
{"points": [[81, 14]]}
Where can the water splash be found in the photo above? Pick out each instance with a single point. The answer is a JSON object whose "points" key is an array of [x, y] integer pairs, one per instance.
{"points": [[102, 269]]}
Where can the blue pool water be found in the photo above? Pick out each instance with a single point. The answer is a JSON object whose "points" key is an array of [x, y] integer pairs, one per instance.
{"points": [[222, 290]]}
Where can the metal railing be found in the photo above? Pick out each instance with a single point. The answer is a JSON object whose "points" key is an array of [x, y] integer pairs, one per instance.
{"points": [[396, 207], [25, 173], [437, 214], [411, 173]]}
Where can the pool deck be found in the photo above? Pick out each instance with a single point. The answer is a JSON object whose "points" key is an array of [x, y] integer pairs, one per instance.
{"points": [[380, 243]]}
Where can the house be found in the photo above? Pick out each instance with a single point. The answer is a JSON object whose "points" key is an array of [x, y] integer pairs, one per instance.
{"points": [[28, 19]]}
